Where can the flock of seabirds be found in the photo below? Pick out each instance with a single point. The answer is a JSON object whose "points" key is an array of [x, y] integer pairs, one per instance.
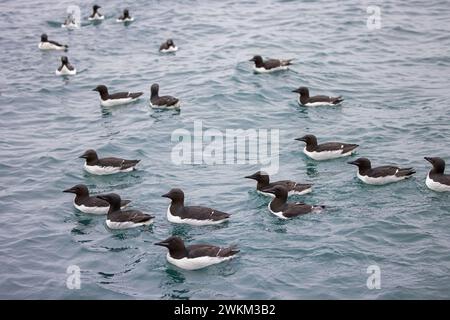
{"points": [[202, 255]]}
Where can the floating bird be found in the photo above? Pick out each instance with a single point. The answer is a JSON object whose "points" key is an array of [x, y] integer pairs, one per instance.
{"points": [[326, 151], [95, 14], [125, 17], [292, 186], [115, 99], [436, 179], [380, 175], [168, 46], [196, 256], [164, 102], [197, 216], [284, 210], [123, 219], [105, 166], [270, 65], [305, 100], [66, 69], [90, 204], [70, 23], [46, 44]]}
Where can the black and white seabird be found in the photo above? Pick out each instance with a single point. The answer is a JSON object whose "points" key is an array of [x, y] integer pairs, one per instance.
{"points": [[197, 216], [263, 184], [123, 219], [326, 151], [380, 175], [90, 204], [96, 15], [105, 166], [168, 46], [164, 102], [270, 65], [284, 210], [70, 23], [195, 256], [65, 69], [305, 100], [436, 179], [115, 99], [125, 17], [46, 44]]}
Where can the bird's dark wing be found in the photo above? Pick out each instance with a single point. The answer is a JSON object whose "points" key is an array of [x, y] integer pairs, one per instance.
{"points": [[164, 46], [166, 101], [203, 213], [57, 43], [201, 250], [384, 171], [135, 216], [69, 66], [124, 95], [117, 162], [296, 209], [330, 146], [271, 63], [92, 202], [441, 178]]}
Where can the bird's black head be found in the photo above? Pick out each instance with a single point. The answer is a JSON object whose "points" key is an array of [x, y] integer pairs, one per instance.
{"points": [[89, 155], [96, 7], [44, 37], [101, 89], [279, 191], [257, 59], [259, 176], [154, 89], [64, 60], [170, 42], [438, 164], [303, 91], [112, 198], [309, 139], [126, 13], [361, 163], [172, 243], [175, 194], [79, 190]]}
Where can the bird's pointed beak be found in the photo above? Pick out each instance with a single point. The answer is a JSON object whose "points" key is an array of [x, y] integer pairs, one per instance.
{"points": [[82, 156], [428, 159], [252, 59], [162, 244], [70, 190], [300, 139], [270, 190], [353, 162], [95, 89], [249, 177], [296, 91], [100, 196], [166, 195]]}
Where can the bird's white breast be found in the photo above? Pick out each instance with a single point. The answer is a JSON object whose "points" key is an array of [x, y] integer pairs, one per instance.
{"points": [[264, 70], [127, 224], [193, 222], [115, 102], [91, 210], [176, 106], [436, 186], [196, 263], [380, 180], [326, 155], [97, 17], [170, 49], [278, 214], [50, 46], [125, 20], [315, 104], [98, 170], [65, 71]]}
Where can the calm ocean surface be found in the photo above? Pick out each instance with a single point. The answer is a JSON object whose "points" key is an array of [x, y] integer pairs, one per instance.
{"points": [[395, 81]]}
